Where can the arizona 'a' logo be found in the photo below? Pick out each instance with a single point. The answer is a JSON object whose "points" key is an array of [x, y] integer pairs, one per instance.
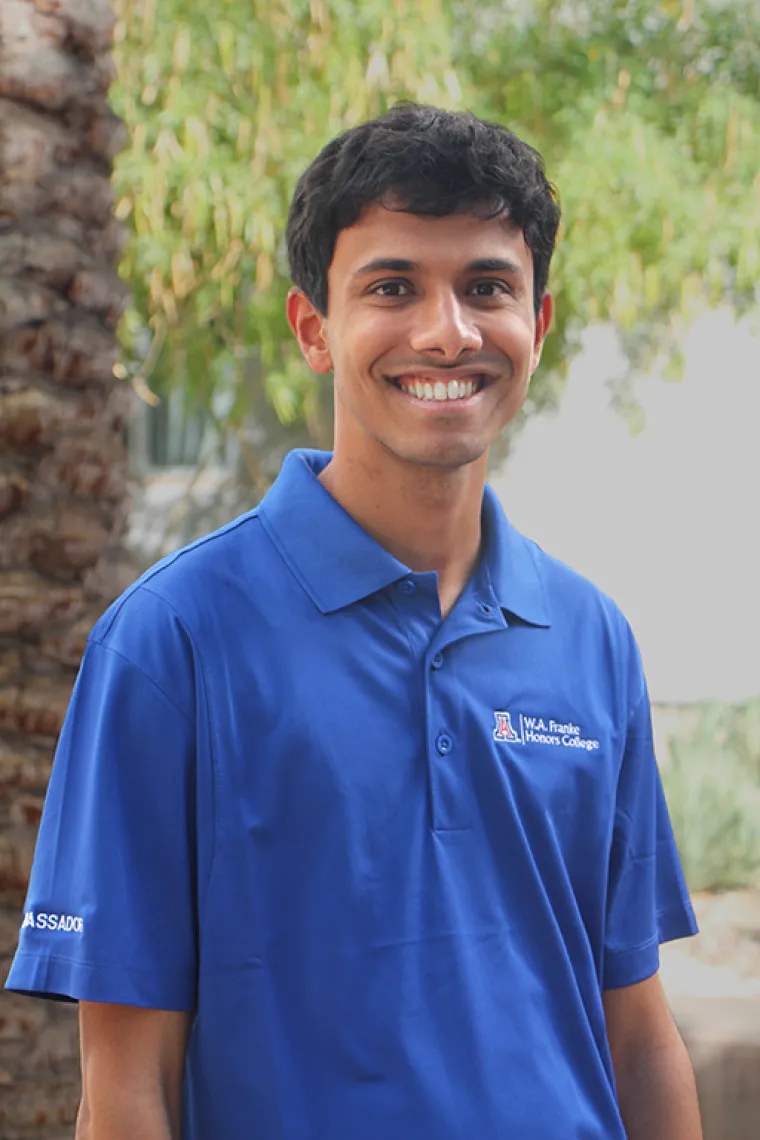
{"points": [[504, 730]]}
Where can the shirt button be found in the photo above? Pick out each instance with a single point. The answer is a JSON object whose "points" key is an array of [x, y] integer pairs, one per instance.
{"points": [[437, 661], [407, 586], [485, 609], [444, 744]]}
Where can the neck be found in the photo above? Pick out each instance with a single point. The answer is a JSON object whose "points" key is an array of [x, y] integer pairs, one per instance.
{"points": [[426, 517]]}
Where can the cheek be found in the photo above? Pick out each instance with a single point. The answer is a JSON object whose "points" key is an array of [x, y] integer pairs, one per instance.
{"points": [[518, 340], [365, 350], [358, 340], [375, 334]]}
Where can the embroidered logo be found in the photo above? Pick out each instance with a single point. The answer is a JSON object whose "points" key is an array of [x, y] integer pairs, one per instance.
{"points": [[504, 730], [537, 730]]}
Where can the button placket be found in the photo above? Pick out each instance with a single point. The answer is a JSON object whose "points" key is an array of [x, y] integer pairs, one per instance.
{"points": [[477, 613], [451, 801]]}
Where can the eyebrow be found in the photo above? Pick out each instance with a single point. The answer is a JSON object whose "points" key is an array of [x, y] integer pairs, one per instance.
{"points": [[494, 265], [391, 264], [401, 265]]}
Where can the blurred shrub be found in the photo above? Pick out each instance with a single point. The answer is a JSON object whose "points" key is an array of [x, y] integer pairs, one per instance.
{"points": [[712, 783]]}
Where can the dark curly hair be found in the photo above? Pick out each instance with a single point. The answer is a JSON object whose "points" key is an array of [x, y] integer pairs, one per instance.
{"points": [[424, 161]]}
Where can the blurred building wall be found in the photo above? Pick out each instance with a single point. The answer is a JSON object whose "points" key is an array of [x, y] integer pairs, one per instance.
{"points": [[667, 521]]}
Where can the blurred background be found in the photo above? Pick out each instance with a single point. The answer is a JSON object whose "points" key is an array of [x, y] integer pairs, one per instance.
{"points": [[149, 386]]}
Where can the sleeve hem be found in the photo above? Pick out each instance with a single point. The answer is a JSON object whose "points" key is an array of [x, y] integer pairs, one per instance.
{"points": [[61, 979], [675, 924], [628, 967]]}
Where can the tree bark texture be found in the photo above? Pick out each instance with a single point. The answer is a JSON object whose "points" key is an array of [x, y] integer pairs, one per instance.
{"points": [[63, 464]]}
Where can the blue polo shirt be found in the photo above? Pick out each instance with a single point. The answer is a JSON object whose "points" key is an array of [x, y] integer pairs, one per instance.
{"points": [[389, 862]]}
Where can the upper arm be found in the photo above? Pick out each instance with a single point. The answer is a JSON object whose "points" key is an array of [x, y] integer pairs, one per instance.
{"points": [[637, 1017], [654, 1079], [132, 1068]]}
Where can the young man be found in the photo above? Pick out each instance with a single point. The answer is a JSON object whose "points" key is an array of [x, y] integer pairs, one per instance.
{"points": [[355, 828]]}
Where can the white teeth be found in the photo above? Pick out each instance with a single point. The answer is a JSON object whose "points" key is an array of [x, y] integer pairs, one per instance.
{"points": [[439, 390]]}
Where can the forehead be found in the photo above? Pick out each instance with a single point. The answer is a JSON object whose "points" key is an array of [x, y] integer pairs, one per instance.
{"points": [[435, 244]]}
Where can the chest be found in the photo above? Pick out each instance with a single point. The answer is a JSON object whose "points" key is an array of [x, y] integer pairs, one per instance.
{"points": [[363, 725], [384, 780]]}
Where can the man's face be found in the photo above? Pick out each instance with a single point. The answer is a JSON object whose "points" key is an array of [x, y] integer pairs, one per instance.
{"points": [[430, 332]]}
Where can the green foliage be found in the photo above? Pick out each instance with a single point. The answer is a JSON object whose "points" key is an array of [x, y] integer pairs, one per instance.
{"points": [[226, 104], [712, 783], [646, 111], [648, 115]]}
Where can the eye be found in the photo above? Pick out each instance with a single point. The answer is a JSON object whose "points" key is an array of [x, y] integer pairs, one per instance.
{"points": [[486, 289], [389, 289]]}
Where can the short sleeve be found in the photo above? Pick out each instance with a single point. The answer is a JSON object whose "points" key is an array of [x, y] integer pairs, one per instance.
{"points": [[648, 901], [111, 908]]}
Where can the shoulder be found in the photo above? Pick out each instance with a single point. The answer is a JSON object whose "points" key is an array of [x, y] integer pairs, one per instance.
{"points": [[584, 616], [160, 623]]}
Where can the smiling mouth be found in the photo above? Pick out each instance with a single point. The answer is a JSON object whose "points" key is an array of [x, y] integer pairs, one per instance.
{"points": [[440, 391]]}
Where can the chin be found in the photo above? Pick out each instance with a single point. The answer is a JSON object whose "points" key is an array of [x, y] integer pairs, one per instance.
{"points": [[449, 456]]}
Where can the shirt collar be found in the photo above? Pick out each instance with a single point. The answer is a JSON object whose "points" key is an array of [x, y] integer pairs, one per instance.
{"points": [[512, 563], [335, 561], [338, 563]]}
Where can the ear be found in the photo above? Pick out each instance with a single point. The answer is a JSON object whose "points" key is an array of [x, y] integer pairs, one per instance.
{"points": [[543, 323], [309, 330]]}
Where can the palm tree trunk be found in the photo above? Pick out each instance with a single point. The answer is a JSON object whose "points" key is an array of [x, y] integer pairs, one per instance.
{"points": [[63, 465]]}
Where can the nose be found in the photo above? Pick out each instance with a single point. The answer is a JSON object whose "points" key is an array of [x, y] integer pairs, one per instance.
{"points": [[444, 326]]}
